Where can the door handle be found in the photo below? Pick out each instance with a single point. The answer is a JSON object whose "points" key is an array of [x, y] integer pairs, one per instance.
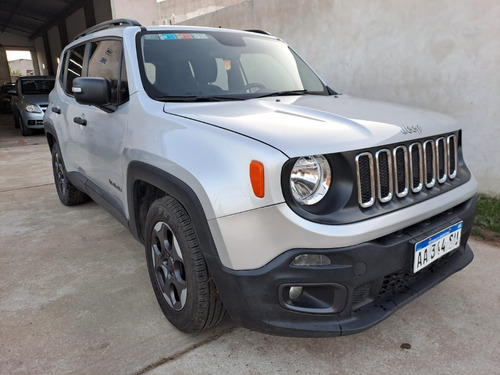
{"points": [[80, 121], [56, 110]]}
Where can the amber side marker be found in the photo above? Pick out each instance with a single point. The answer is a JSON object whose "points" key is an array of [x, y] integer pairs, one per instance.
{"points": [[257, 178]]}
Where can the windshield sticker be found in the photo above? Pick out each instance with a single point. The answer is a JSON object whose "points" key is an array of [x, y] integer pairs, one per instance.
{"points": [[199, 36], [227, 64], [167, 36], [177, 36], [183, 36], [103, 60]]}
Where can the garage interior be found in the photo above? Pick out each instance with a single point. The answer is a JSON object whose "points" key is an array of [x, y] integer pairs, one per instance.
{"points": [[44, 28]]}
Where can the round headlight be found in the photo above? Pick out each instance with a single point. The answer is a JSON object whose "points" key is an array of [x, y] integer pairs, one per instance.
{"points": [[31, 107], [310, 179]]}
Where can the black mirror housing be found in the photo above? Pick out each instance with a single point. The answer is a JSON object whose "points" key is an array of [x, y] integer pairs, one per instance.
{"points": [[92, 90]]}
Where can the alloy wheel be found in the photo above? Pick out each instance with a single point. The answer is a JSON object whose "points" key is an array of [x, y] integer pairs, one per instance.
{"points": [[168, 266], [61, 179]]}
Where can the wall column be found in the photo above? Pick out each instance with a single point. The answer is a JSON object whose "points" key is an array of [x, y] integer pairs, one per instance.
{"points": [[4, 66], [46, 46], [63, 33], [89, 13]]}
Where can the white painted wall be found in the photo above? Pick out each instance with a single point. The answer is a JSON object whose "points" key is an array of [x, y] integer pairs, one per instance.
{"points": [[442, 55], [144, 11], [175, 11]]}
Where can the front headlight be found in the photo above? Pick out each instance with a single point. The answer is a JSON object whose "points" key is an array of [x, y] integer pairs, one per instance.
{"points": [[310, 179], [28, 107]]}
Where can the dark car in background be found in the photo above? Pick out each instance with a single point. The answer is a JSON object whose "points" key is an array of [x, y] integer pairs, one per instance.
{"points": [[5, 97], [30, 101]]}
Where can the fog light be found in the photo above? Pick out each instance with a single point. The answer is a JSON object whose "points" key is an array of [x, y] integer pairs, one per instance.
{"points": [[295, 292], [313, 298], [311, 260]]}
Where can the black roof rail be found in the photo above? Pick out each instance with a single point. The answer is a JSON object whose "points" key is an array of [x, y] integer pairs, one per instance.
{"points": [[107, 25], [259, 31]]}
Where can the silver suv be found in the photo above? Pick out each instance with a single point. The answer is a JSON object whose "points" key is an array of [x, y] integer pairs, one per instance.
{"points": [[255, 188]]}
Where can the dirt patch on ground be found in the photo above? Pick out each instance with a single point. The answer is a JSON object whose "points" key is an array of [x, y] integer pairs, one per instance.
{"points": [[481, 233]]}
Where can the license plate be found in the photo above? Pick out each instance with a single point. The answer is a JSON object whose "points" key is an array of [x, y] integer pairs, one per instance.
{"points": [[436, 246]]}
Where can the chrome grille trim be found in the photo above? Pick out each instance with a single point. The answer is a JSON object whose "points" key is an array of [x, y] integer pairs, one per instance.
{"points": [[416, 167], [385, 185], [441, 160], [396, 172], [451, 142], [400, 155], [366, 192], [429, 164]]}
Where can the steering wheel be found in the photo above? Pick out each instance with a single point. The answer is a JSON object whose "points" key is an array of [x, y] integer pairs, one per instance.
{"points": [[254, 85]]}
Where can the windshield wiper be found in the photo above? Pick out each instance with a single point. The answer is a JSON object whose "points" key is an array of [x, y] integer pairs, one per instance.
{"points": [[193, 98], [284, 93]]}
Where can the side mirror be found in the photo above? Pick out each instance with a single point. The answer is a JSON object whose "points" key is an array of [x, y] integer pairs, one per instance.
{"points": [[92, 90]]}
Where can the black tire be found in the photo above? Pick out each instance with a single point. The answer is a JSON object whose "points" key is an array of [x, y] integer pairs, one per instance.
{"points": [[16, 122], [24, 130], [183, 287], [69, 195]]}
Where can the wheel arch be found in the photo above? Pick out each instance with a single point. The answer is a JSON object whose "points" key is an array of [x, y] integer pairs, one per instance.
{"points": [[50, 134], [146, 183]]}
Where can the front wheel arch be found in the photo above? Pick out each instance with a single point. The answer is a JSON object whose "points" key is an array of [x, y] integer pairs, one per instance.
{"points": [[146, 183]]}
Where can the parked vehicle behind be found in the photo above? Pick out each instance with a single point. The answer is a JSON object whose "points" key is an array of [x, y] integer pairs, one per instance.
{"points": [[255, 187], [5, 95], [29, 102]]}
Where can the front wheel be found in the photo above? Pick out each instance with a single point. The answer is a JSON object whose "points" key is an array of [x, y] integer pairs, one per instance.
{"points": [[24, 130], [17, 125], [178, 272]]}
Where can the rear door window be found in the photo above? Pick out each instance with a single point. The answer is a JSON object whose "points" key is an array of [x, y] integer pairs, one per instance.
{"points": [[74, 67]]}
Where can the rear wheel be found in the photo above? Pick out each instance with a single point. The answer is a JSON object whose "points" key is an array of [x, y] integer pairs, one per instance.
{"points": [[68, 194], [178, 272]]}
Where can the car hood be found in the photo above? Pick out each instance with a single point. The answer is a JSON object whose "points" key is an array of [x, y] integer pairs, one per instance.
{"points": [[305, 125], [36, 98]]}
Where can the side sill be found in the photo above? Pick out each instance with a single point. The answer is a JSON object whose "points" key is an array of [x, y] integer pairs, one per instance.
{"points": [[107, 202]]}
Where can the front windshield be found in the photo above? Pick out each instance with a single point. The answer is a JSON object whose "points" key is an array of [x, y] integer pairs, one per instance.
{"points": [[37, 86], [222, 65]]}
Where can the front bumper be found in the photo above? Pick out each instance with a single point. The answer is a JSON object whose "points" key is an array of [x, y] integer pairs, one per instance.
{"points": [[32, 120], [365, 283]]}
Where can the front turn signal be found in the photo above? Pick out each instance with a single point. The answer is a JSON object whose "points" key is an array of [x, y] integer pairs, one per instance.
{"points": [[257, 178]]}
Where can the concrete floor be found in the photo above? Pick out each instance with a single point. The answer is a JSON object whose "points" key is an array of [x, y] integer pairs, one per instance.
{"points": [[75, 298]]}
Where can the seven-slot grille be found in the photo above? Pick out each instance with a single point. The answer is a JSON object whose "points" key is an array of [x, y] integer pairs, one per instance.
{"points": [[396, 172]]}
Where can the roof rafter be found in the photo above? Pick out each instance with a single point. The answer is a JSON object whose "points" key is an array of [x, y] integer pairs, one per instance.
{"points": [[69, 9], [5, 23]]}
